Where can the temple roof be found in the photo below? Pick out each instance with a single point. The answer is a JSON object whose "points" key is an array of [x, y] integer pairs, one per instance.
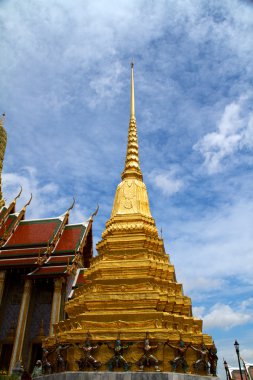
{"points": [[46, 247], [31, 233], [71, 237]]}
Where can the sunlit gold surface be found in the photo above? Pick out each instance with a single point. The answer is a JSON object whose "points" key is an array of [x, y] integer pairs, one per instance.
{"points": [[131, 288], [3, 140]]}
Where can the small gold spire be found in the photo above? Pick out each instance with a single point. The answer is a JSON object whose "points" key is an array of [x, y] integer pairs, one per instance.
{"points": [[3, 141], [132, 164], [2, 119]]}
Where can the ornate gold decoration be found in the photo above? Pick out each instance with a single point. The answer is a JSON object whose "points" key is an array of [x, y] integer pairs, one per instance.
{"points": [[8, 232], [41, 259], [3, 141], [130, 288], [11, 208], [77, 262]]}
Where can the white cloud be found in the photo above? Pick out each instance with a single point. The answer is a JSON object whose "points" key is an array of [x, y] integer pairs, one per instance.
{"points": [[234, 132], [47, 200], [247, 355], [223, 316], [211, 249], [107, 84], [167, 181]]}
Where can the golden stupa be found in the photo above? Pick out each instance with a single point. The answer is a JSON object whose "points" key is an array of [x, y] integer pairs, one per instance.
{"points": [[130, 290]]}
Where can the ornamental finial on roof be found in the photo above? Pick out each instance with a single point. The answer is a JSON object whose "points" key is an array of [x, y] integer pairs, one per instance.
{"points": [[20, 192], [132, 165], [27, 204], [94, 213], [72, 206]]}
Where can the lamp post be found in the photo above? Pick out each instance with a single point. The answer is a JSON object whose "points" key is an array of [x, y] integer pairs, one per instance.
{"points": [[226, 369], [236, 344]]}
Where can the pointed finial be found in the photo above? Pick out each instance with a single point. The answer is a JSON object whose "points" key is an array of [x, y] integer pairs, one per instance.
{"points": [[132, 106], [95, 212], [2, 119], [17, 196], [72, 206], [27, 204]]}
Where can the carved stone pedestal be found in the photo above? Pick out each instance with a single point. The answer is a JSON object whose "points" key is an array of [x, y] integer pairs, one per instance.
{"points": [[124, 376]]}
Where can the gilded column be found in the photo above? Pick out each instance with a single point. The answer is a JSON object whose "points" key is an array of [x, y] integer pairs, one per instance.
{"points": [[2, 281], [21, 326], [3, 141], [56, 304]]}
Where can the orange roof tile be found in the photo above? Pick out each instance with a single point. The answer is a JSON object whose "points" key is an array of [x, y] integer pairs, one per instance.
{"points": [[47, 271], [60, 259], [71, 238], [22, 252], [32, 233], [30, 261]]}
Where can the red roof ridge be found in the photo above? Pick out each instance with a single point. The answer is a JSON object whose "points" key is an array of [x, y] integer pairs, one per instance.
{"points": [[85, 224], [25, 249], [61, 217]]}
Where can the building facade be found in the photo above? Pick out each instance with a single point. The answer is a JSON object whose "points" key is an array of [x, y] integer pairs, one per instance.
{"points": [[41, 265]]}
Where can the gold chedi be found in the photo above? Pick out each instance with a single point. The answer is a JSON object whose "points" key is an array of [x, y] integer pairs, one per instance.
{"points": [[3, 141], [130, 290]]}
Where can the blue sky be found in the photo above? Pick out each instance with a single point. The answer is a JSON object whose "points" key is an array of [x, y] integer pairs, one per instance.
{"points": [[65, 77]]}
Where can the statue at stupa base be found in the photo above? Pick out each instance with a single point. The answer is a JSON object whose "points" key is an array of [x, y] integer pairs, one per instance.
{"points": [[87, 360], [126, 354], [148, 359]]}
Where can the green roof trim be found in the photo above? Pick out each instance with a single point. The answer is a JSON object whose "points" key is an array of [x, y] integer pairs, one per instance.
{"points": [[73, 226]]}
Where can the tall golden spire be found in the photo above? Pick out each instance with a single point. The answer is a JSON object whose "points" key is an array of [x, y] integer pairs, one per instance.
{"points": [[132, 164], [3, 140], [132, 106], [131, 195]]}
